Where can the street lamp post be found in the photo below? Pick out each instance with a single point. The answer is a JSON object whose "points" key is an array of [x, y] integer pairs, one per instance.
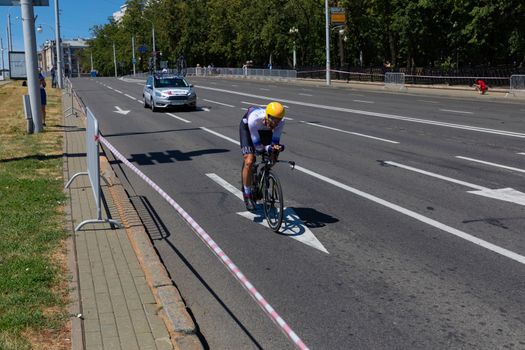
{"points": [[58, 43], [293, 31], [153, 39], [33, 84], [327, 33]]}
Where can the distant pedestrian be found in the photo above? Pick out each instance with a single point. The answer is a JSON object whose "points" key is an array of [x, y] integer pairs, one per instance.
{"points": [[481, 87], [43, 97], [53, 77]]}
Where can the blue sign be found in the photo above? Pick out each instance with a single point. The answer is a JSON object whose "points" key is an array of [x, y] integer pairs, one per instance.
{"points": [[134, 61], [143, 49]]}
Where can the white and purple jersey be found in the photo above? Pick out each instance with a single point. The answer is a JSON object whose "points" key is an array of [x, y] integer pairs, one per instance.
{"points": [[253, 120]]}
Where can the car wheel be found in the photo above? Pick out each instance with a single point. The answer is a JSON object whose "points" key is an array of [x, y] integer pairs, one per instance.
{"points": [[152, 105]]}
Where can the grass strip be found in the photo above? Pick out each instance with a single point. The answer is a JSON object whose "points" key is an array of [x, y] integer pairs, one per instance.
{"points": [[33, 283]]}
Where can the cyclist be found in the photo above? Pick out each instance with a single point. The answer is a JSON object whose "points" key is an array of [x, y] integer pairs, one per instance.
{"points": [[260, 131]]}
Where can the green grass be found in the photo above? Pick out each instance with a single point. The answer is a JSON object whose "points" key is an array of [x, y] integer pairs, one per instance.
{"points": [[33, 288]]}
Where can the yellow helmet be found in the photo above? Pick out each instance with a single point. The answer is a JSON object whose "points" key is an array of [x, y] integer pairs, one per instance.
{"points": [[275, 110]]}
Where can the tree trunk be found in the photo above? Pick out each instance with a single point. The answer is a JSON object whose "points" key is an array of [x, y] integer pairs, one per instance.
{"points": [[392, 44]]}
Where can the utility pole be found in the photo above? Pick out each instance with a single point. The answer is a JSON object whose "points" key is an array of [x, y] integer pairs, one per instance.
{"points": [[2, 51], [154, 48], [33, 84], [327, 18], [58, 43], [133, 50], [9, 34], [115, 59]]}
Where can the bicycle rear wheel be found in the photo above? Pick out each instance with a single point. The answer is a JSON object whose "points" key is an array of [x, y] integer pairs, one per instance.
{"points": [[273, 204]]}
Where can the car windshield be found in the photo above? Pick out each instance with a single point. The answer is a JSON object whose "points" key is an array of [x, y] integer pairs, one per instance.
{"points": [[170, 82]]}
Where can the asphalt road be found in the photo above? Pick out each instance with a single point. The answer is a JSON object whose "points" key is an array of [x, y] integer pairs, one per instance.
{"points": [[420, 251]]}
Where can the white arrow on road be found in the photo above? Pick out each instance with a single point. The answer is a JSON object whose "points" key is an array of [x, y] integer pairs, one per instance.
{"points": [[503, 194], [120, 111], [293, 226]]}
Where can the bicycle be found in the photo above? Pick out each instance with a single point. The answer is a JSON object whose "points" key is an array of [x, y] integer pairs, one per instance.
{"points": [[267, 187]]}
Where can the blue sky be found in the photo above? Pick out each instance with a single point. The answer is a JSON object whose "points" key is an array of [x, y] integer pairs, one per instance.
{"points": [[76, 19]]}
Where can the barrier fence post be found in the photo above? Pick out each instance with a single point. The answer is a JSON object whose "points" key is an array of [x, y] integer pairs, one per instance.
{"points": [[517, 84], [395, 80], [93, 169]]}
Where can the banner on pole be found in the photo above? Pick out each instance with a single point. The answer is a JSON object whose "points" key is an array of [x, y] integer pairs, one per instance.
{"points": [[17, 2], [17, 65]]}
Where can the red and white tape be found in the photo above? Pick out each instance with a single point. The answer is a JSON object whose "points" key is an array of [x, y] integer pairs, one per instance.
{"points": [[235, 271]]}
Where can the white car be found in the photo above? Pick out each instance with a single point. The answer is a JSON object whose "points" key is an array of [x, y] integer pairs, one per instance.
{"points": [[164, 91]]}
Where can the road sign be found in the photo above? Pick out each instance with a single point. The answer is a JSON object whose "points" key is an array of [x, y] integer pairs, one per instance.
{"points": [[17, 2], [134, 61], [143, 49], [337, 15]]}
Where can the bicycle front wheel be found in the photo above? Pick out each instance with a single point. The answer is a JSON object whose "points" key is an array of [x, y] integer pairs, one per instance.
{"points": [[273, 205]]}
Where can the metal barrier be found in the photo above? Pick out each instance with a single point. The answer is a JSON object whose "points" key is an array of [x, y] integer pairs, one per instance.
{"points": [[68, 90], [253, 73], [395, 80], [517, 84], [93, 169]]}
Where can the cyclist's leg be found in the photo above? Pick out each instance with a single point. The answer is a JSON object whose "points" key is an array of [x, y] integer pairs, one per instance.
{"points": [[248, 154]]}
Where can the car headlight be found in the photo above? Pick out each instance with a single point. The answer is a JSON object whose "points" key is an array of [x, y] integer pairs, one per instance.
{"points": [[158, 94]]}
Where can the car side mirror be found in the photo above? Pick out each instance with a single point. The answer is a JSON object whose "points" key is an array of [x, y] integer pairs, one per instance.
{"points": [[191, 85], [149, 86]]}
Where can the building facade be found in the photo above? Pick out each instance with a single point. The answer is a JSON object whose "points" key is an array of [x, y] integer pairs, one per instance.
{"points": [[71, 50]]}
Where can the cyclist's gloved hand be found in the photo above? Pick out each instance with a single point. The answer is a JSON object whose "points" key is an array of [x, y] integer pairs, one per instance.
{"points": [[268, 149], [281, 148]]}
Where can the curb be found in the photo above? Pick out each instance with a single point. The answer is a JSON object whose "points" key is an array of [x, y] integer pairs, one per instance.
{"points": [[173, 310]]}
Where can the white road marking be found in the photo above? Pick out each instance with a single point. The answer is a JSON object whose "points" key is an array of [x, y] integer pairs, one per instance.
{"points": [[305, 94], [492, 164], [427, 101], [522, 153], [133, 98], [252, 104], [349, 132], [504, 194], [205, 109], [177, 117], [219, 103], [234, 85], [468, 237], [244, 109], [264, 89], [293, 226], [454, 111], [258, 104], [363, 101], [375, 114], [220, 135], [118, 91], [140, 101], [121, 111], [467, 184]]}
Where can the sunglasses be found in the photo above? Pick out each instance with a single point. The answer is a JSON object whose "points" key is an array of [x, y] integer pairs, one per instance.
{"points": [[273, 119]]}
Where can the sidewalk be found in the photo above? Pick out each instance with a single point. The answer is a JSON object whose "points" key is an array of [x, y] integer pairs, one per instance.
{"points": [[122, 297]]}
